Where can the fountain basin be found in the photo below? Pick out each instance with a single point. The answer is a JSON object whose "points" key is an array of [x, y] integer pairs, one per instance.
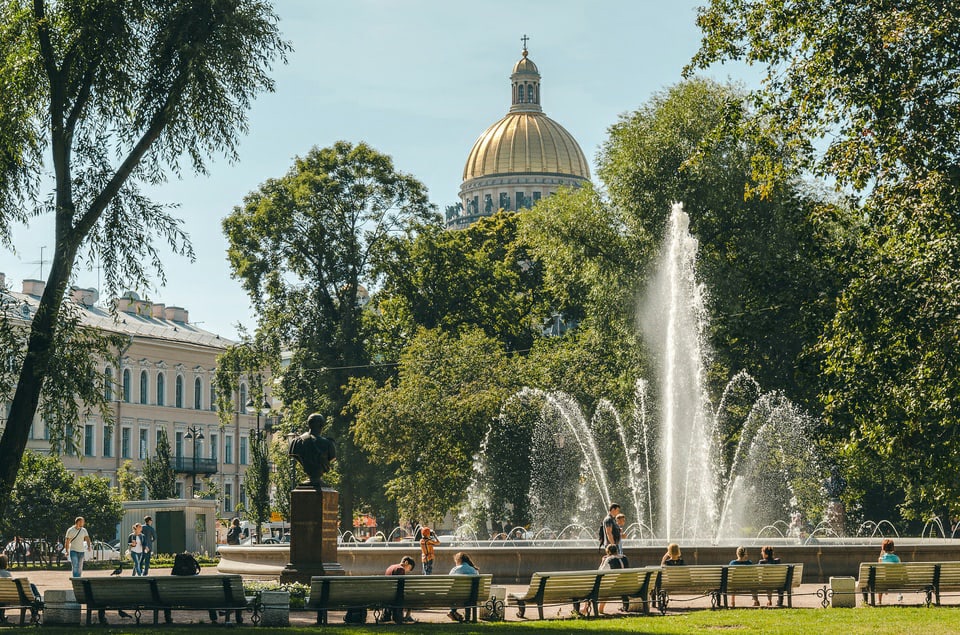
{"points": [[513, 563]]}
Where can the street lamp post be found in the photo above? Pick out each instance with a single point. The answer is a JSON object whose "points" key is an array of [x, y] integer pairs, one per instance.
{"points": [[264, 408], [196, 434]]}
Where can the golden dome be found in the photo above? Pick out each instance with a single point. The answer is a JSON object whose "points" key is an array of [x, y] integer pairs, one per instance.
{"points": [[526, 142]]}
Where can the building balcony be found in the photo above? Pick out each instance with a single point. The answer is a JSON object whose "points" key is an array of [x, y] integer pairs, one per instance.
{"points": [[191, 465]]}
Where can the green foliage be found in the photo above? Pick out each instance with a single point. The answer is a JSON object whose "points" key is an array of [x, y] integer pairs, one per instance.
{"points": [[48, 498], [129, 483], [477, 277], [302, 246], [428, 422], [874, 80], [773, 266], [865, 93], [589, 259], [158, 473], [105, 97]]}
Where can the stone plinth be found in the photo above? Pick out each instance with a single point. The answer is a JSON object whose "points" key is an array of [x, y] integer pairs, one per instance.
{"points": [[844, 592], [313, 534], [276, 608], [60, 606]]}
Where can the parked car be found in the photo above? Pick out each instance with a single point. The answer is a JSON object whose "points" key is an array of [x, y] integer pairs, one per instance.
{"points": [[101, 551], [105, 551]]}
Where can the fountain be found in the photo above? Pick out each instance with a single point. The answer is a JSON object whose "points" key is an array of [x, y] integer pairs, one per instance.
{"points": [[703, 474], [742, 472]]}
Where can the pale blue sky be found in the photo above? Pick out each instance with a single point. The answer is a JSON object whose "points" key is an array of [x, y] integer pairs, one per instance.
{"points": [[418, 80]]}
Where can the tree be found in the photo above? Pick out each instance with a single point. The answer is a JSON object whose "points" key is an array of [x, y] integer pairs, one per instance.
{"points": [[302, 246], [48, 498], [773, 265], [865, 93], [158, 472], [427, 277], [129, 484], [256, 482], [117, 92], [428, 423]]}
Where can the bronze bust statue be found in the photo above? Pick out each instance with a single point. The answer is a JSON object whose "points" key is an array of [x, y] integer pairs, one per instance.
{"points": [[313, 451]]}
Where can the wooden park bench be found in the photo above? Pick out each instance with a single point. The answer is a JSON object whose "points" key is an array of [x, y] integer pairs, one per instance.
{"points": [[929, 578], [693, 579], [16, 594], [948, 578], [389, 595], [763, 578], [222, 592], [593, 586], [148, 593]]}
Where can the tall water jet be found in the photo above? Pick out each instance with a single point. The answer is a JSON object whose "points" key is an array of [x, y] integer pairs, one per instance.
{"points": [[673, 322]]}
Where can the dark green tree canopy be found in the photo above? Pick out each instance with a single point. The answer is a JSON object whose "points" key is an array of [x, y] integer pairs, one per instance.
{"points": [[876, 84], [303, 247], [106, 95], [876, 80]]}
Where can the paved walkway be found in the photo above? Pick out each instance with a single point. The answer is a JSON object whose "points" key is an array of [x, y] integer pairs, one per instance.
{"points": [[804, 597]]}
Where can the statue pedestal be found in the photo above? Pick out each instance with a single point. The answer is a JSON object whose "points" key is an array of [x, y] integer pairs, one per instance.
{"points": [[313, 534]]}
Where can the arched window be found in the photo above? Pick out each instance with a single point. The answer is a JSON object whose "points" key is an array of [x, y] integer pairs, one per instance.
{"points": [[108, 384], [143, 387], [520, 94], [530, 93], [178, 391], [126, 385], [197, 394], [243, 399], [160, 387]]}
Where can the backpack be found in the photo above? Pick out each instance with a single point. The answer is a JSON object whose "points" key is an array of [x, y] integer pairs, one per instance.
{"points": [[355, 616], [185, 564]]}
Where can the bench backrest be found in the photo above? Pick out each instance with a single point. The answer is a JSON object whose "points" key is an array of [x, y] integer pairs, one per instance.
{"points": [[334, 591], [115, 592], [617, 583], [797, 574], [698, 578], [897, 575], [567, 586], [949, 575], [10, 592], [201, 591], [429, 591], [757, 577]]}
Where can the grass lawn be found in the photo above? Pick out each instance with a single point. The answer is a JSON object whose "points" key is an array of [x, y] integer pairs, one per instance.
{"points": [[866, 621]]}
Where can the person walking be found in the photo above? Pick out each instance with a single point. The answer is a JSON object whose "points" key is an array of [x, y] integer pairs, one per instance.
{"points": [[135, 540], [610, 532], [77, 542], [428, 540], [149, 543]]}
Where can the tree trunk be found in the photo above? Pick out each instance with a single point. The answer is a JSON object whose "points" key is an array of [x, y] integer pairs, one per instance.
{"points": [[26, 399]]}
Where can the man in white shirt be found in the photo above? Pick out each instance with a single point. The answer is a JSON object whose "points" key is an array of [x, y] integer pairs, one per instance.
{"points": [[76, 542]]}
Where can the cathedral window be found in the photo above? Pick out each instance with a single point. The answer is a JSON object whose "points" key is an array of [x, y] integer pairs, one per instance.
{"points": [[520, 94]]}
